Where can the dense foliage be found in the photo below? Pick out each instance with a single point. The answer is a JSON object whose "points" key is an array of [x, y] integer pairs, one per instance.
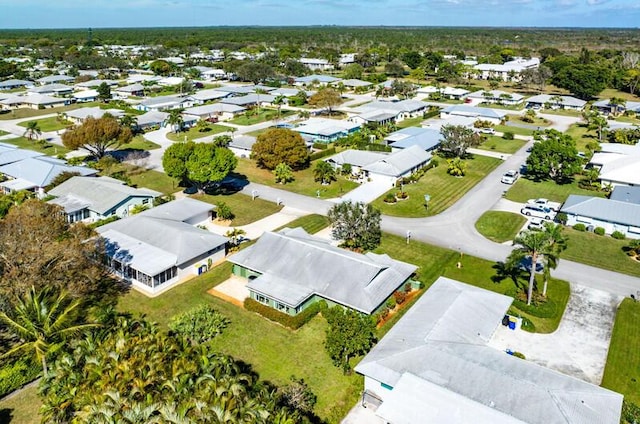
{"points": [[555, 157], [201, 164], [280, 145], [291, 321], [357, 223], [350, 334], [199, 325], [97, 135]]}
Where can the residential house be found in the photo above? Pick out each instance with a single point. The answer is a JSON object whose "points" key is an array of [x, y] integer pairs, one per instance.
{"points": [[612, 215], [203, 96], [51, 90], [133, 90], [215, 112], [241, 90], [626, 194], [326, 130], [214, 74], [10, 153], [54, 79], [547, 101], [356, 83], [33, 101], [85, 96], [151, 119], [508, 71], [92, 199], [605, 107], [291, 270], [435, 365], [497, 97], [78, 116], [447, 92], [347, 59], [95, 83], [315, 79], [316, 64], [170, 81], [161, 247], [427, 139], [12, 84], [242, 145], [249, 100], [36, 173], [476, 113], [618, 164], [387, 112], [162, 103]]}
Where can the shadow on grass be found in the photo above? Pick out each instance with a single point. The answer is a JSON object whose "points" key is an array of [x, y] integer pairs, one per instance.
{"points": [[6, 415]]}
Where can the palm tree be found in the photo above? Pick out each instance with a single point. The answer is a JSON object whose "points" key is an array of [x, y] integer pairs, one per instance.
{"points": [[175, 120], [324, 172], [615, 103], [279, 101], [532, 243], [129, 121], [234, 234], [33, 130], [557, 243], [43, 320]]}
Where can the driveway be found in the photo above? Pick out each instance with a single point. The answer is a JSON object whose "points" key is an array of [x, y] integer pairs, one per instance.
{"points": [[367, 192], [580, 344]]}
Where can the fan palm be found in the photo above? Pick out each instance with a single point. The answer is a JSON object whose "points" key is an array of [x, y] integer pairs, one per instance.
{"points": [[532, 243], [557, 243], [33, 130]]}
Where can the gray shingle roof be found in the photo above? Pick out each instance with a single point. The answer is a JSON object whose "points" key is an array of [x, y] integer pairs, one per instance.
{"points": [[400, 162], [249, 99], [295, 264], [41, 170], [613, 211], [425, 138], [10, 154], [442, 340], [102, 193], [626, 194]]}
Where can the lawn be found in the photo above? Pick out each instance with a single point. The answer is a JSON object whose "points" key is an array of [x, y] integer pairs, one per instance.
{"points": [[561, 112], [245, 210], [303, 182], [444, 189], [39, 146], [193, 133], [48, 124], [582, 136], [155, 180], [537, 121], [262, 116], [515, 130], [310, 223], [500, 226], [622, 371], [499, 144], [599, 251], [275, 352], [28, 113], [525, 189], [256, 132], [612, 92], [3, 133], [411, 122], [22, 408], [139, 143]]}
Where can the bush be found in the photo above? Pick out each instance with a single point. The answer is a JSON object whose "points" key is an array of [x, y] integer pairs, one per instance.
{"points": [[400, 297], [508, 135], [320, 146], [618, 235], [103, 222], [538, 308], [599, 231], [390, 198], [402, 195], [580, 227], [199, 325], [323, 153], [630, 412], [391, 303], [519, 355], [562, 218], [223, 211], [293, 322], [15, 374]]}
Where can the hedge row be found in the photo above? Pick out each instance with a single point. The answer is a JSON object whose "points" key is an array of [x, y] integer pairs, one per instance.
{"points": [[15, 374], [322, 153], [291, 321]]}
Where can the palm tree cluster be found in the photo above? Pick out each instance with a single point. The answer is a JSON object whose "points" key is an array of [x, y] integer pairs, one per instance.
{"points": [[136, 373], [547, 245]]}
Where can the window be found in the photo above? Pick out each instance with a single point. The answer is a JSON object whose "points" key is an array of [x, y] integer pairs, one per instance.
{"points": [[282, 307], [145, 201], [260, 298]]}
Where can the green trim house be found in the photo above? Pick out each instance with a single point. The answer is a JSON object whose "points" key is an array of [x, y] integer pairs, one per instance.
{"points": [[291, 269]]}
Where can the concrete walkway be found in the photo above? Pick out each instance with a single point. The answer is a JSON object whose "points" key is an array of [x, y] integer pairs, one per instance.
{"points": [[256, 229]]}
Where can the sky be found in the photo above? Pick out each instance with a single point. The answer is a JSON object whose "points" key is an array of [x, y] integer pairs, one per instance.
{"points": [[158, 13]]}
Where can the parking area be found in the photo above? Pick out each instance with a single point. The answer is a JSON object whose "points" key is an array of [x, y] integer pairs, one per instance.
{"points": [[232, 290], [579, 347]]}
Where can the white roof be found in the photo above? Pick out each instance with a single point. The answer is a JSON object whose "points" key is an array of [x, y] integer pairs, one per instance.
{"points": [[210, 94], [213, 109], [325, 126], [95, 112], [563, 100], [400, 162], [495, 94], [85, 94], [623, 170]]}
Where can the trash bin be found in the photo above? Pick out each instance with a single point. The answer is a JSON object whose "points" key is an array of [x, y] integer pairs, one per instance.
{"points": [[512, 325]]}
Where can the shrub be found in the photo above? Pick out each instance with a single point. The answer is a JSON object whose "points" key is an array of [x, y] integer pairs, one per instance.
{"points": [[293, 322], [599, 231], [618, 235], [580, 227], [15, 374], [320, 146], [508, 135], [323, 153], [223, 211], [400, 297], [391, 303], [390, 198], [199, 325], [161, 200], [630, 412], [402, 195], [103, 221], [562, 218], [519, 355]]}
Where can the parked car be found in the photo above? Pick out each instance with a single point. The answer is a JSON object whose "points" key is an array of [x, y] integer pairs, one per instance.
{"points": [[510, 177], [487, 131], [535, 224], [190, 190], [537, 211], [554, 206]]}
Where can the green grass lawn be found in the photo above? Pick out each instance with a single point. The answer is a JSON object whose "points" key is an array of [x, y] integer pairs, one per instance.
{"points": [[22, 408], [302, 184], [608, 93], [561, 112], [29, 113], [193, 133], [525, 189], [499, 144], [3, 133], [622, 370], [48, 124], [537, 121], [275, 352], [444, 189], [582, 136], [155, 180], [245, 210], [599, 251], [257, 132], [139, 143], [411, 122], [515, 130], [46, 148], [500, 226], [310, 223], [262, 116]]}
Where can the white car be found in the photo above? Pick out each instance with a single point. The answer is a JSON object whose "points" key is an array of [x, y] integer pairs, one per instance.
{"points": [[487, 131], [538, 211], [554, 206], [535, 224], [510, 177]]}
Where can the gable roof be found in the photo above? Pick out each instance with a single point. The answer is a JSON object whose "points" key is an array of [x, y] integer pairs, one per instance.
{"points": [[248, 99], [325, 127], [425, 138], [213, 109], [614, 211], [400, 162], [563, 100], [95, 112], [54, 78], [356, 157], [130, 88], [210, 94], [626, 194], [152, 117], [393, 107], [295, 265], [10, 154], [41, 170], [322, 79], [623, 170], [473, 111], [101, 194], [496, 94], [442, 341]]}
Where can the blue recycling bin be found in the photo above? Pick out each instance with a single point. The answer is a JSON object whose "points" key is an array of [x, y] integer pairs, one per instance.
{"points": [[512, 325]]}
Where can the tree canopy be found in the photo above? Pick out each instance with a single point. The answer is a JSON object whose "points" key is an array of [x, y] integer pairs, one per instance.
{"points": [[327, 98], [456, 139], [97, 135], [280, 145], [555, 157], [350, 334], [198, 163], [357, 223]]}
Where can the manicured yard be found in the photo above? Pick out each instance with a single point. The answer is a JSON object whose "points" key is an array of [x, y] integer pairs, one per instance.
{"points": [[274, 352], [193, 133], [537, 121], [411, 122], [303, 182], [525, 189], [515, 130], [622, 371], [444, 189], [582, 136], [3, 133], [561, 112], [49, 124], [139, 143], [155, 180], [310, 223], [600, 251], [500, 226], [262, 116], [608, 93], [46, 148], [499, 144], [245, 210], [256, 132], [22, 408], [28, 113]]}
